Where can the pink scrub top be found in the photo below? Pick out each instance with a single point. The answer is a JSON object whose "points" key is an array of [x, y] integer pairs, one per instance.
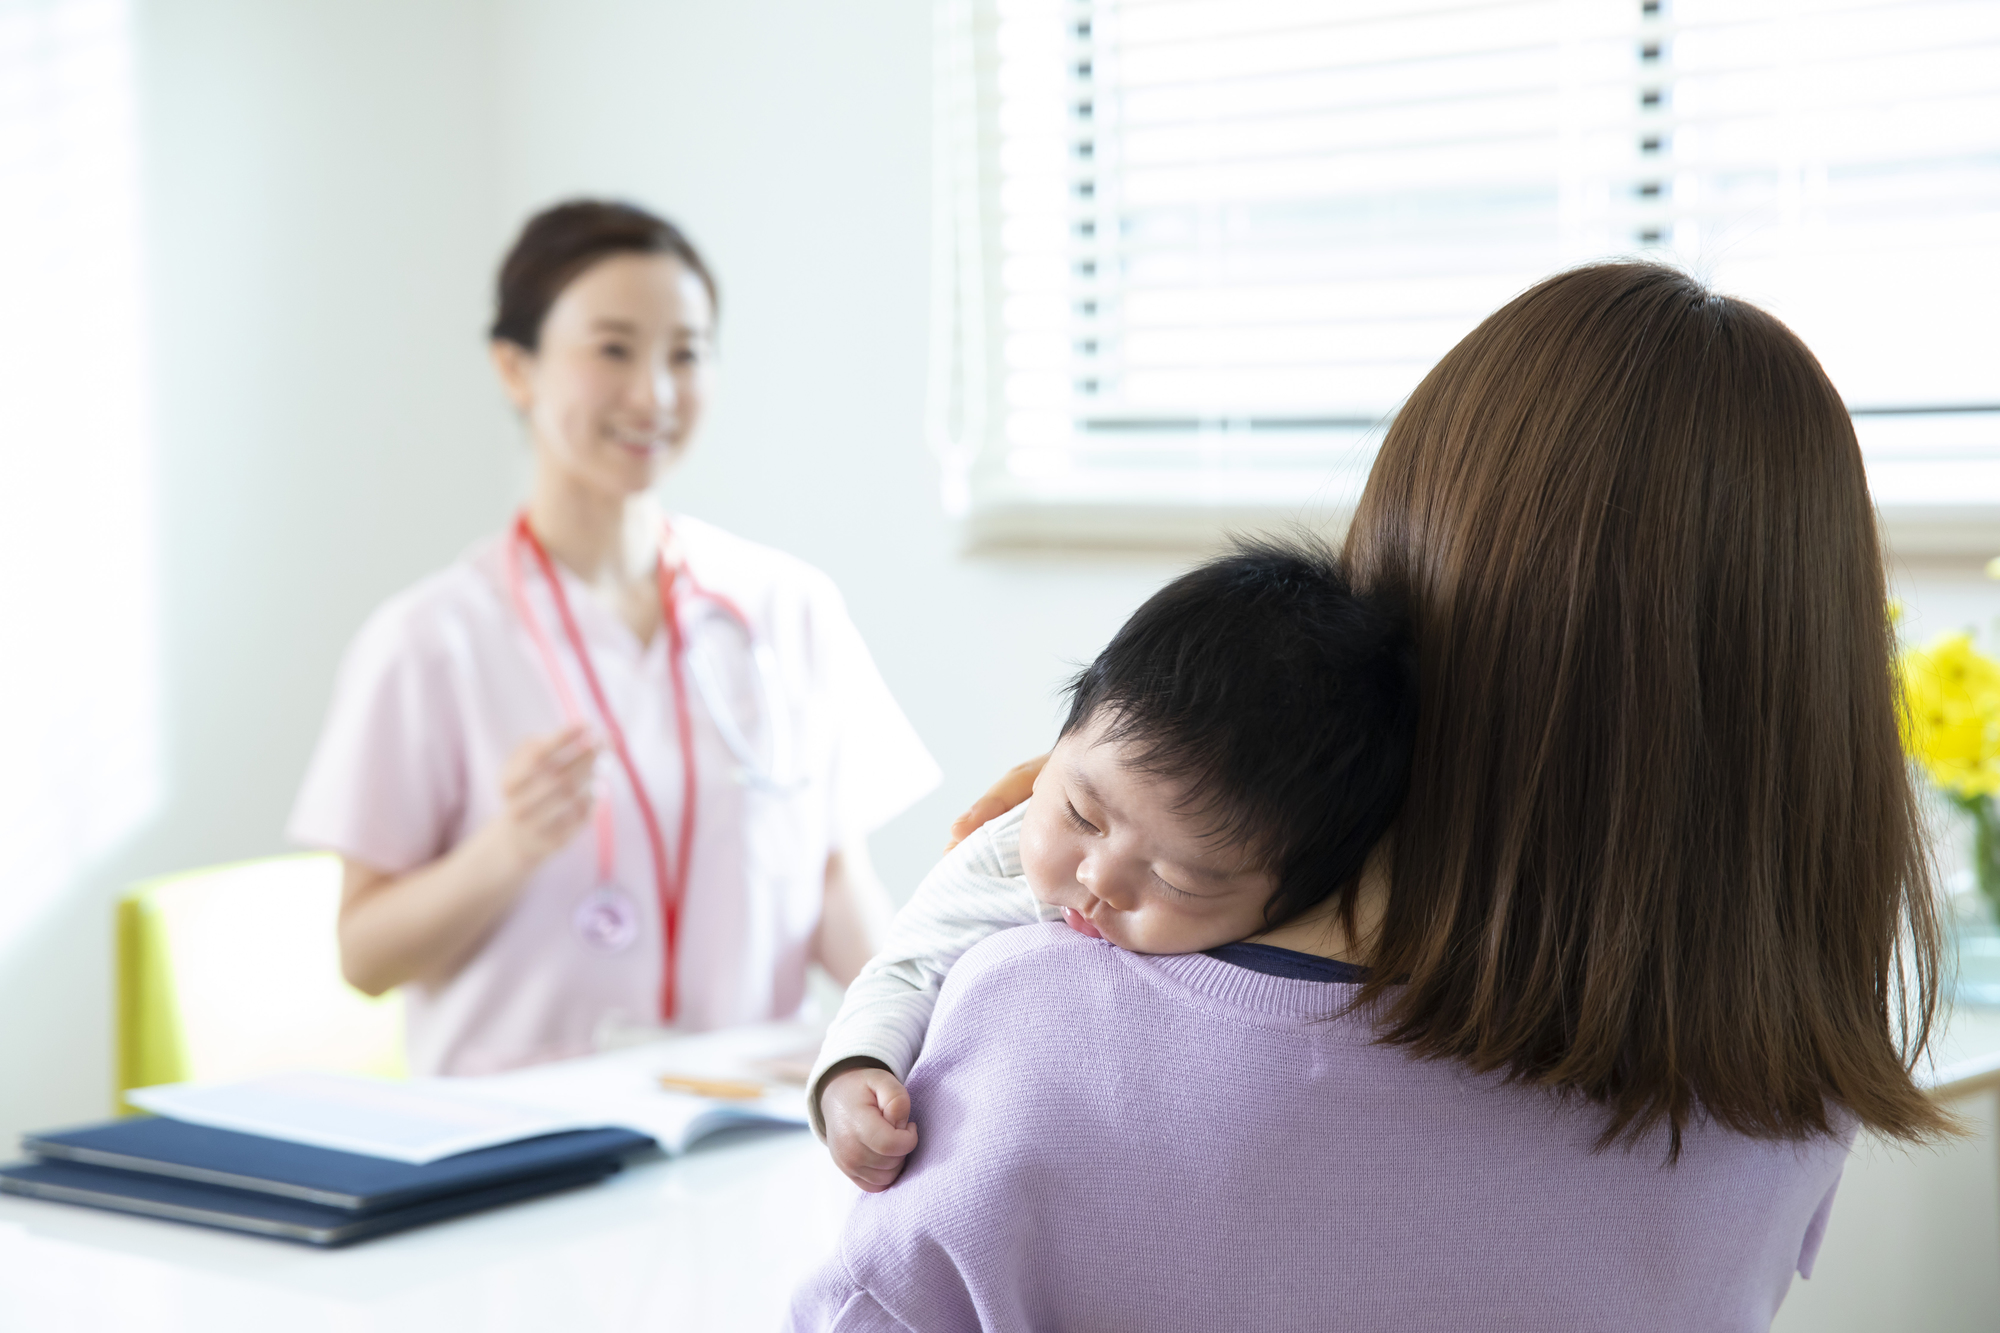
{"points": [[444, 682]]}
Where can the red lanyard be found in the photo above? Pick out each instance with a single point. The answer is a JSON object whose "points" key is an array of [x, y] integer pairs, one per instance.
{"points": [[669, 884]]}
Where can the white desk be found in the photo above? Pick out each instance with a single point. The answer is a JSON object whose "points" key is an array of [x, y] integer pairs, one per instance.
{"points": [[715, 1240], [718, 1239]]}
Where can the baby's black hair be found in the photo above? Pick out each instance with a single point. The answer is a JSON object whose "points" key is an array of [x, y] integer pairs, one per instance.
{"points": [[1282, 702]]}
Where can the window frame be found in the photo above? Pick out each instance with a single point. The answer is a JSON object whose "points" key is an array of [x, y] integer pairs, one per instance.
{"points": [[1185, 508]]}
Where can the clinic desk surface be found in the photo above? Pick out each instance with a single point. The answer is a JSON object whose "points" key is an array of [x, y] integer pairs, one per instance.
{"points": [[715, 1240]]}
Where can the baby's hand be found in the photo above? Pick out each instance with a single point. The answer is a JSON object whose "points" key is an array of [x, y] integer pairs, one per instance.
{"points": [[868, 1126]]}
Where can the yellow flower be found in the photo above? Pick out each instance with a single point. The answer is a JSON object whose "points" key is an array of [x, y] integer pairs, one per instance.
{"points": [[1951, 721]]}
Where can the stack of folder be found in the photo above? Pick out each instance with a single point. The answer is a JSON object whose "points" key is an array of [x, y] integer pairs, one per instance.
{"points": [[186, 1172]]}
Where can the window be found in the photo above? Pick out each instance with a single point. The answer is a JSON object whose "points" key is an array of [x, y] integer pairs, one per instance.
{"points": [[1193, 253]]}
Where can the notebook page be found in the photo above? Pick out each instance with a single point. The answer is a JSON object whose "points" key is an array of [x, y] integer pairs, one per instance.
{"points": [[414, 1122], [622, 1087]]}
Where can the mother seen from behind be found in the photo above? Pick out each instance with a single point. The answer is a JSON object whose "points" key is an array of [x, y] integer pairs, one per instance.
{"points": [[1655, 934]]}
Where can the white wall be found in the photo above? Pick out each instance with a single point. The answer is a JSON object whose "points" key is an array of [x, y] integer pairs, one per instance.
{"points": [[330, 185], [320, 222]]}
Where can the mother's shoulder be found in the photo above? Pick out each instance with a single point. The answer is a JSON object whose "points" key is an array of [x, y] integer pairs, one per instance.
{"points": [[1021, 952]]}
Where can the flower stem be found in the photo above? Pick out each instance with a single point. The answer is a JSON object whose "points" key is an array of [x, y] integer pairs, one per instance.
{"points": [[1985, 848]]}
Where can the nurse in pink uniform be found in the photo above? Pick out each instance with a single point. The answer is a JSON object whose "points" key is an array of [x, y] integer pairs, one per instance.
{"points": [[615, 767]]}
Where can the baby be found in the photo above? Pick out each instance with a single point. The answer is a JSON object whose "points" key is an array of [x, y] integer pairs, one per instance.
{"points": [[1228, 763]]}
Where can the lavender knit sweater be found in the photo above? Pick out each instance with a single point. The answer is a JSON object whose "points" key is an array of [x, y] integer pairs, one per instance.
{"points": [[1114, 1141]]}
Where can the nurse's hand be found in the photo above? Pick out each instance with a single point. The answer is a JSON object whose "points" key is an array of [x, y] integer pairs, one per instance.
{"points": [[547, 786], [1014, 787], [423, 924], [868, 1126]]}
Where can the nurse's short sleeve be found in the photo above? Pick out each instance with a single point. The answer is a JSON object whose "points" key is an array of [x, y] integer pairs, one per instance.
{"points": [[880, 767], [386, 786]]}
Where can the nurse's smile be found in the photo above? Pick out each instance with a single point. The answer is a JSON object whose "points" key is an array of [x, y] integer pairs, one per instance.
{"points": [[619, 380]]}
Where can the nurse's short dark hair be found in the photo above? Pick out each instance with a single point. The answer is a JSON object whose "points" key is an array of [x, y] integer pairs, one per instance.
{"points": [[559, 243], [1279, 700]]}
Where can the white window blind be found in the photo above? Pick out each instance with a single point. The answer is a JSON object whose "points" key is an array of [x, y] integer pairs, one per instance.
{"points": [[1195, 252]]}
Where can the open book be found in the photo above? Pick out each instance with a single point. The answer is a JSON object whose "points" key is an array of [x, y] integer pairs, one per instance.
{"points": [[623, 1087], [415, 1122], [424, 1120]]}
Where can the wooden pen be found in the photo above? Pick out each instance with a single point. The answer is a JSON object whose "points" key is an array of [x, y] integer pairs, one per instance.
{"points": [[722, 1089]]}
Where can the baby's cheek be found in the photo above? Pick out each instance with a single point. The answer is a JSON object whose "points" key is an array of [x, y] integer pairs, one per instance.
{"points": [[1217, 922], [1165, 929], [1041, 859]]}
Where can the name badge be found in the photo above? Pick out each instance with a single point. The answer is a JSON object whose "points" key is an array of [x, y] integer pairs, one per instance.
{"points": [[607, 920]]}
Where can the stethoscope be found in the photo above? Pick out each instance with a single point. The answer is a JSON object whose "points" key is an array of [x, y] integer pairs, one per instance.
{"points": [[608, 918]]}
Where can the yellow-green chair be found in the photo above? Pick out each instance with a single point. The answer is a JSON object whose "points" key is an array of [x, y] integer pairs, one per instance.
{"points": [[234, 970]]}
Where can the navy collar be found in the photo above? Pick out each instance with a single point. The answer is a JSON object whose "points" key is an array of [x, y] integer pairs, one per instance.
{"points": [[1289, 963]]}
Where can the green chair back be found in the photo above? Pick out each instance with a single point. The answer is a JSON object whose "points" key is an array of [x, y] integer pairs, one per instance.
{"points": [[235, 970]]}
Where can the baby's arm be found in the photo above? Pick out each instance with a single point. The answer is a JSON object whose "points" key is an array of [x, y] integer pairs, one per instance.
{"points": [[856, 1098]]}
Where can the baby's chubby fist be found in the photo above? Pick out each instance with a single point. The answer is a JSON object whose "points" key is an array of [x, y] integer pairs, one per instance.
{"points": [[868, 1126]]}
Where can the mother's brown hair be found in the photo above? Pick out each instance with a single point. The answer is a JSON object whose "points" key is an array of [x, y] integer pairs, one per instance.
{"points": [[1660, 847]]}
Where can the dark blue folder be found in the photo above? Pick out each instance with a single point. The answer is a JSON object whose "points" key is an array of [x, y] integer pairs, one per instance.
{"points": [[157, 1146], [268, 1214]]}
